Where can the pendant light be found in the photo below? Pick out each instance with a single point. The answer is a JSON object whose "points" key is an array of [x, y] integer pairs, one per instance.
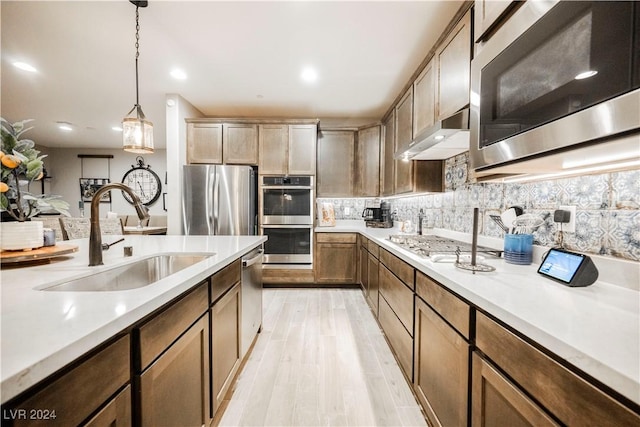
{"points": [[137, 132]]}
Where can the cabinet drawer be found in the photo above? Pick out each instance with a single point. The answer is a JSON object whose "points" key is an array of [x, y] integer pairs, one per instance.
{"points": [[570, 398], [224, 279], [116, 414], [398, 337], [362, 241], [398, 296], [76, 394], [373, 248], [400, 268], [451, 308], [336, 238], [159, 332]]}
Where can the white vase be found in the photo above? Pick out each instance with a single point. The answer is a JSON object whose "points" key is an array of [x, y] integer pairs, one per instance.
{"points": [[16, 236]]}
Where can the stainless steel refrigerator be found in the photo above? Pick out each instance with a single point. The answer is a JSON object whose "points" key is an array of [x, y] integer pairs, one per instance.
{"points": [[219, 200]]}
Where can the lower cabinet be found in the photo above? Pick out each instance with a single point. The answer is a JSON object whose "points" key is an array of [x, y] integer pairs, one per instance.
{"points": [[225, 343], [363, 263], [373, 282], [497, 401], [174, 390], [117, 413], [74, 396], [335, 258], [567, 397], [171, 369], [441, 368]]}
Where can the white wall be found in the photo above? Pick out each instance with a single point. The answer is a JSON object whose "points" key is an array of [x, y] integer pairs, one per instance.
{"points": [[178, 109], [65, 168]]}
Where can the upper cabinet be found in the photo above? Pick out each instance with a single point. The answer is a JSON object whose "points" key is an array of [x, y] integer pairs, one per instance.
{"points": [[217, 143], [388, 163], [302, 149], [204, 142], [424, 99], [287, 149], [487, 14], [404, 121], [240, 144], [453, 59], [367, 170], [336, 162]]}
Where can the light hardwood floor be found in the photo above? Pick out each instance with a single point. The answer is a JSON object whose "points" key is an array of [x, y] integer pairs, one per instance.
{"points": [[320, 360]]}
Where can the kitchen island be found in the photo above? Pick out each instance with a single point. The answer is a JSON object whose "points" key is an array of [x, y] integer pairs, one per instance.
{"points": [[43, 331], [593, 332]]}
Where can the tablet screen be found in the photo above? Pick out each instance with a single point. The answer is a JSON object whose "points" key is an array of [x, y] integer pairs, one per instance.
{"points": [[561, 265]]}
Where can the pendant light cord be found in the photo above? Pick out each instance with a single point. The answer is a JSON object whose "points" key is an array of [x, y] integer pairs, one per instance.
{"points": [[137, 53]]}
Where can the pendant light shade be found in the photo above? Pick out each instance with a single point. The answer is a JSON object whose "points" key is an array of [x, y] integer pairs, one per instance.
{"points": [[137, 131]]}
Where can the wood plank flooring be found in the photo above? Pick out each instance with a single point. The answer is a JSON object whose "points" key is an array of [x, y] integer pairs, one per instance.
{"points": [[320, 360]]}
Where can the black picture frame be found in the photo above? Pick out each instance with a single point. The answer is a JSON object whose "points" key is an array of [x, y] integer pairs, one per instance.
{"points": [[89, 187]]}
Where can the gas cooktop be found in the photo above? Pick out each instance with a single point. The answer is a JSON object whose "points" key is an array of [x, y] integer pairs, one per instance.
{"points": [[426, 246]]}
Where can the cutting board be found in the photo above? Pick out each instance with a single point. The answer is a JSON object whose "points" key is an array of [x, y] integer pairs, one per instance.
{"points": [[43, 254]]}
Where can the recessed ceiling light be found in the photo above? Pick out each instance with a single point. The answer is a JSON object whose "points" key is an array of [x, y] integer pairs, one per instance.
{"points": [[178, 74], [586, 75], [25, 67], [309, 75], [65, 127], [116, 128]]}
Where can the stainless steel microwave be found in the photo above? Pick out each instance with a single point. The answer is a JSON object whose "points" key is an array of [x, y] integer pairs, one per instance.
{"points": [[556, 75]]}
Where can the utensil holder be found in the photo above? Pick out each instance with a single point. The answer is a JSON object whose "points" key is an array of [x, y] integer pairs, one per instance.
{"points": [[518, 248]]}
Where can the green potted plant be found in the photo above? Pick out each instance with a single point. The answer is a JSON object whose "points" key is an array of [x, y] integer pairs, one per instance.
{"points": [[21, 165]]}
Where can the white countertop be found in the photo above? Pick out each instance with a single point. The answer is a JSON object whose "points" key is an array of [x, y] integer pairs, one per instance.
{"points": [[595, 328], [43, 331]]}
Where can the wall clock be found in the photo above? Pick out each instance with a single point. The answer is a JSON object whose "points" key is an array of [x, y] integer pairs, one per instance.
{"points": [[143, 181]]}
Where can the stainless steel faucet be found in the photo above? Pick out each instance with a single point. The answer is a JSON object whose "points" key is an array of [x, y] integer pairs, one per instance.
{"points": [[95, 236]]}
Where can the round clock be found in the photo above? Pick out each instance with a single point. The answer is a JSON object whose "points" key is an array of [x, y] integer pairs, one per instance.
{"points": [[144, 182]]}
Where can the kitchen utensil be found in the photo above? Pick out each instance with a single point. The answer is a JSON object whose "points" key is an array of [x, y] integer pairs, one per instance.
{"points": [[498, 220], [527, 223], [508, 217], [518, 248]]}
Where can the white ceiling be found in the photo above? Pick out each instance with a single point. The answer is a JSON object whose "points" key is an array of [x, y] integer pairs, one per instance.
{"points": [[241, 58]]}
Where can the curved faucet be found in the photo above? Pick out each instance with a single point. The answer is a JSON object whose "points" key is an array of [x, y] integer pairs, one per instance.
{"points": [[95, 236]]}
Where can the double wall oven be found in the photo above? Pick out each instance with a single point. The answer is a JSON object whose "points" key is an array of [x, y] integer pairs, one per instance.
{"points": [[286, 217]]}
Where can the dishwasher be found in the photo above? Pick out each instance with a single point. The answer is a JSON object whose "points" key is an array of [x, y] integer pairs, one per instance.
{"points": [[251, 290]]}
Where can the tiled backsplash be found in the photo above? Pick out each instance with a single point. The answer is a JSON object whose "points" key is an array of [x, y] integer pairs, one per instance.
{"points": [[607, 219]]}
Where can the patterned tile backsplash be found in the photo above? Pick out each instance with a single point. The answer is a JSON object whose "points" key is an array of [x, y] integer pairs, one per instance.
{"points": [[607, 218]]}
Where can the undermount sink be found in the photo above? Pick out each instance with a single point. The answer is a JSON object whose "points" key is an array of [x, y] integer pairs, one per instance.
{"points": [[130, 276]]}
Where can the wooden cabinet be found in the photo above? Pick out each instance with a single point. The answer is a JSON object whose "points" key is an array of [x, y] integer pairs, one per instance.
{"points": [[302, 149], [363, 264], [171, 367], [497, 401], [336, 162], [367, 167], [287, 149], [373, 282], [404, 121], [571, 399], [487, 15], [217, 143], [335, 258], [240, 144], [388, 163], [453, 59], [225, 343], [395, 307], [441, 353], [204, 143], [174, 390], [73, 396], [424, 100], [117, 413]]}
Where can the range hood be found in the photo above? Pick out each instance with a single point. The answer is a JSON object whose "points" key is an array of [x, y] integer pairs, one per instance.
{"points": [[442, 140]]}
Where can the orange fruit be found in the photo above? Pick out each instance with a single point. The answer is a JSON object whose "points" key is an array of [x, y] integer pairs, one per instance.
{"points": [[3, 187], [10, 161]]}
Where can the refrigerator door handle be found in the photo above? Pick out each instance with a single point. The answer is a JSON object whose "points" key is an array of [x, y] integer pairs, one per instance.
{"points": [[216, 204]]}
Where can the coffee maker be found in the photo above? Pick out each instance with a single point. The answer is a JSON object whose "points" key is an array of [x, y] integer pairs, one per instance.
{"points": [[378, 217]]}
